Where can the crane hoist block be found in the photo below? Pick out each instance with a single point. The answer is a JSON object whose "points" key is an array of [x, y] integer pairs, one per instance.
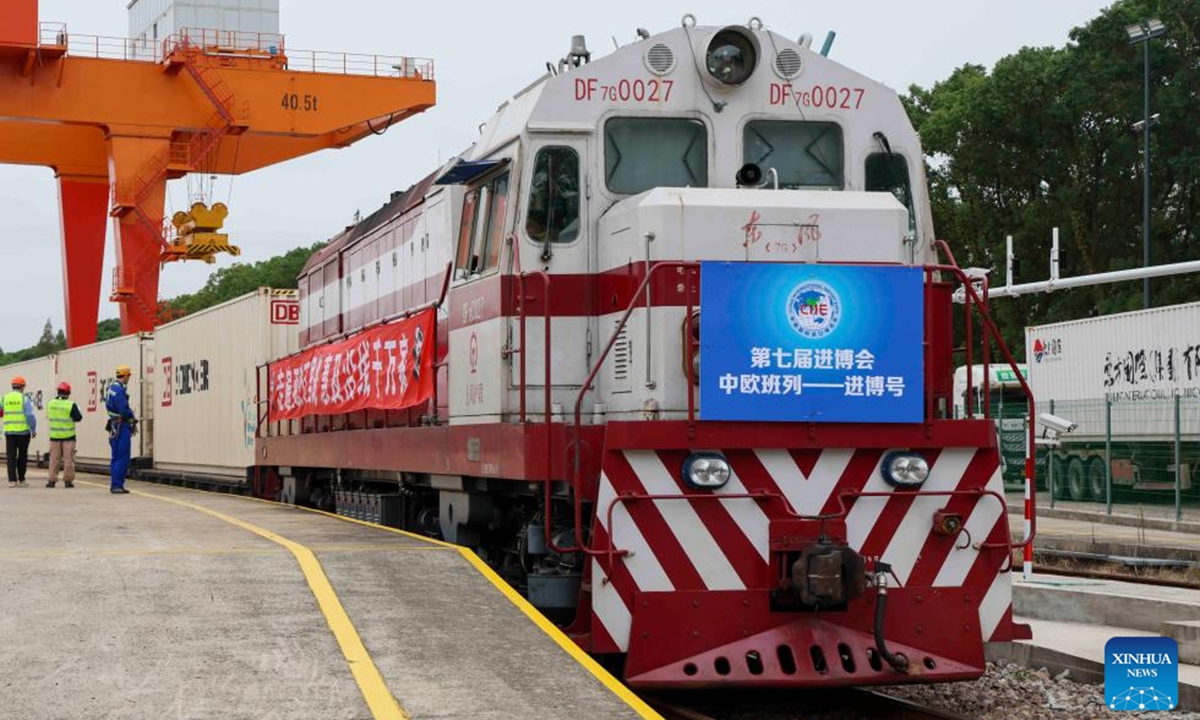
{"points": [[198, 236]]}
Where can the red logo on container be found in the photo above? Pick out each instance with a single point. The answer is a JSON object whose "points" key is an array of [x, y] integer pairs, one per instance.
{"points": [[285, 312], [93, 390], [168, 389]]}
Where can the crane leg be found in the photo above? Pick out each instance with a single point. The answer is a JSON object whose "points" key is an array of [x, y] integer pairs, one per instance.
{"points": [[83, 203], [137, 169]]}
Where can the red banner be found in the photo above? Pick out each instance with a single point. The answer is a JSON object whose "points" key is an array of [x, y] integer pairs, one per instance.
{"points": [[389, 367]]}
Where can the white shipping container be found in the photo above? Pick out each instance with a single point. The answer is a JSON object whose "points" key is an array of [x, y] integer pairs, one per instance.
{"points": [[40, 385], [206, 405], [90, 370], [1142, 359]]}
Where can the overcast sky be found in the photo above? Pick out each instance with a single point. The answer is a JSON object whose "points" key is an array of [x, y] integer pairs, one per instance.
{"points": [[484, 53]]}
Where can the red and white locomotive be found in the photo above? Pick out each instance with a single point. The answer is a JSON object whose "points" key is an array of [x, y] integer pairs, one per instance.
{"points": [[564, 434]]}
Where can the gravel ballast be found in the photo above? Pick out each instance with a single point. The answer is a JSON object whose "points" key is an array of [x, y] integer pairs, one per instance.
{"points": [[1011, 692]]}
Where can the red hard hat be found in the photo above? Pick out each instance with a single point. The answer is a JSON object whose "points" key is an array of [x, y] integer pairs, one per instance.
{"points": [[64, 387], [18, 380]]}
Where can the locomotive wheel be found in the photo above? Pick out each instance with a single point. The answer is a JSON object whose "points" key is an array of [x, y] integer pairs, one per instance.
{"points": [[1076, 479], [1095, 477]]}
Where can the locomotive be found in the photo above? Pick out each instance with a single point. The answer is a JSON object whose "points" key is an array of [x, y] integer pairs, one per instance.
{"points": [[687, 345]]}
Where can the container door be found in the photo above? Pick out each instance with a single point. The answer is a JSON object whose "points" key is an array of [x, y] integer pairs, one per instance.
{"points": [[149, 400]]}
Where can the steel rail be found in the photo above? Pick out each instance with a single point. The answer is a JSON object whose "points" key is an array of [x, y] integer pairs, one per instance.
{"points": [[861, 702]]}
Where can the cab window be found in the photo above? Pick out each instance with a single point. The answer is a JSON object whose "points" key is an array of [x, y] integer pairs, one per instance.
{"points": [[645, 153], [554, 196], [481, 232], [805, 154], [466, 231], [888, 172]]}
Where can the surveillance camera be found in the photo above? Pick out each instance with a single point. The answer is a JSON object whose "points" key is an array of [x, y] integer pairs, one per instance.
{"points": [[1055, 423]]}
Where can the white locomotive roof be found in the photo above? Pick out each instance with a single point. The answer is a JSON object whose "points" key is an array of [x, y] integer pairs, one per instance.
{"points": [[578, 99]]}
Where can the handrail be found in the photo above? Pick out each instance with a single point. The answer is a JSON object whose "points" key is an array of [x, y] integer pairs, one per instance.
{"points": [[611, 552], [977, 492], [221, 42], [577, 472], [547, 390], [840, 512], [547, 317], [990, 327], [445, 363], [228, 43]]}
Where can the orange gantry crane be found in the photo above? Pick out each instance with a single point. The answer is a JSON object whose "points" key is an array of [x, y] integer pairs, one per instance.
{"points": [[116, 119]]}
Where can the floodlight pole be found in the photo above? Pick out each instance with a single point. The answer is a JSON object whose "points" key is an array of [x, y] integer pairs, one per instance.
{"points": [[1146, 171], [1141, 34]]}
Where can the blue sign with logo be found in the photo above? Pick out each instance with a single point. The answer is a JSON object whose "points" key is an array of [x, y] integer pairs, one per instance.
{"points": [[815, 343], [1141, 673]]}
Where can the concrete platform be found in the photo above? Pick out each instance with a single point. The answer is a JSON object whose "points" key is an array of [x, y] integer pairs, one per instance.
{"points": [[1155, 517], [1094, 535], [1103, 602], [1187, 634], [180, 604]]}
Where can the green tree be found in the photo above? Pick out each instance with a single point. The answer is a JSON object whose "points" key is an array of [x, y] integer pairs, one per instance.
{"points": [[46, 341], [1043, 140], [238, 279], [108, 329], [225, 284]]}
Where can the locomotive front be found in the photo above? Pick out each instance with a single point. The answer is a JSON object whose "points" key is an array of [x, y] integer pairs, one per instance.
{"points": [[690, 381], [783, 498]]}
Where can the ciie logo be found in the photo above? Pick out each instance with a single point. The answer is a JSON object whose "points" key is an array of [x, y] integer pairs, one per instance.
{"points": [[1047, 350], [1141, 673], [814, 309]]}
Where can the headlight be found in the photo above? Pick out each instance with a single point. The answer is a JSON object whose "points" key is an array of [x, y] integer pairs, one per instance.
{"points": [[732, 56], [705, 471], [906, 470]]}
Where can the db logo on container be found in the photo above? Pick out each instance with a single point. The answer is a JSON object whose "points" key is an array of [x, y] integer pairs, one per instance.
{"points": [[285, 312]]}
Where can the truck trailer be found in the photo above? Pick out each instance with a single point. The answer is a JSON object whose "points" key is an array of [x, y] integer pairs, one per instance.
{"points": [[1130, 384]]}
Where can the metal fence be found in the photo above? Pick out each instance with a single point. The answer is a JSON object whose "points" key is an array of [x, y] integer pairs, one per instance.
{"points": [[1123, 450]]}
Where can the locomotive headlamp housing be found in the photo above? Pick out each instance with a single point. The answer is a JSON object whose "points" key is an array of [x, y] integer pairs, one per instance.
{"points": [[905, 470], [732, 56], [706, 471]]}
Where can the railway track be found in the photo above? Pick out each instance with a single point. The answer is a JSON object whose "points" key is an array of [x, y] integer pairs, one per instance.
{"points": [[1090, 574], [855, 704]]}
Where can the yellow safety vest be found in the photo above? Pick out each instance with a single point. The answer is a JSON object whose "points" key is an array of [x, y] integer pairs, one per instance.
{"points": [[58, 412], [14, 413]]}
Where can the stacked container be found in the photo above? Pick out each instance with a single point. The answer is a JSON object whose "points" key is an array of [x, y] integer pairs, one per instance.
{"points": [[40, 384], [91, 369], [206, 402]]}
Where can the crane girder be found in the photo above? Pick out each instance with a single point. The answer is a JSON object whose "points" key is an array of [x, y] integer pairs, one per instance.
{"points": [[116, 130]]}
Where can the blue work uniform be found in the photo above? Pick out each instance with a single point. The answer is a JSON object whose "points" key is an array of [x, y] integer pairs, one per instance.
{"points": [[116, 401]]}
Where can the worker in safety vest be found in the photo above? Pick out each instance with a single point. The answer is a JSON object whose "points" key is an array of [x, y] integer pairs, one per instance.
{"points": [[62, 414], [20, 426], [121, 424]]}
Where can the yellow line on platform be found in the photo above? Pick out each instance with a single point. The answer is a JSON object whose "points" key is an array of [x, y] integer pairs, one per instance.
{"points": [[560, 638], [186, 551], [568, 645], [375, 692]]}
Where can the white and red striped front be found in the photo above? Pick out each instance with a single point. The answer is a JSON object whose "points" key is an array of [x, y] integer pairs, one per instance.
{"points": [[679, 542]]}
